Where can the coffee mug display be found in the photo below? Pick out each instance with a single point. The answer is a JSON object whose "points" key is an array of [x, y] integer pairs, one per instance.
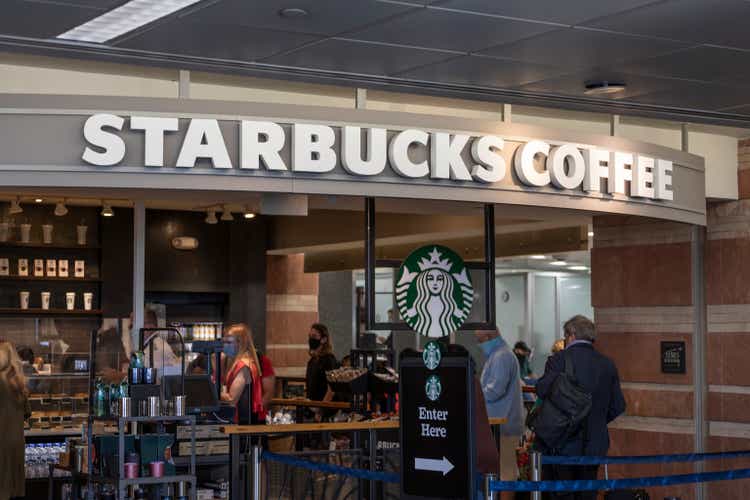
{"points": [[47, 233], [70, 301], [4, 267], [79, 268], [46, 297], [23, 267], [24, 299], [38, 268], [51, 268], [88, 300], [62, 268], [25, 233]]}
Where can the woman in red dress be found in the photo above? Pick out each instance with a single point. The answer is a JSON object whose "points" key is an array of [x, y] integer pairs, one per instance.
{"points": [[243, 368]]}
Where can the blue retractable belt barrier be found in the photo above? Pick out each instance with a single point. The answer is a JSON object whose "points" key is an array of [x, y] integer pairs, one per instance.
{"points": [[386, 477], [642, 459], [614, 484]]}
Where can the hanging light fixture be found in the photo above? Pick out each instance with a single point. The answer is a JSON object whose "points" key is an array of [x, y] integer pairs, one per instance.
{"points": [[249, 214], [107, 210], [60, 208], [38, 200], [226, 215], [211, 217], [15, 207]]}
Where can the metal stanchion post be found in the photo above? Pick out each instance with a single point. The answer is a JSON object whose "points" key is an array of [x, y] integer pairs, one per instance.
{"points": [[257, 450], [536, 473], [488, 493]]}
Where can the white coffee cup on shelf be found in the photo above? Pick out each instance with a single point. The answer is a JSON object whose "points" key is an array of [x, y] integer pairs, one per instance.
{"points": [[46, 296], [88, 300], [70, 301], [47, 233], [25, 233], [24, 299], [81, 234]]}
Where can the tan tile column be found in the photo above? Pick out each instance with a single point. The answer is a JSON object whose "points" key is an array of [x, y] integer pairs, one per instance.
{"points": [[291, 307], [641, 291]]}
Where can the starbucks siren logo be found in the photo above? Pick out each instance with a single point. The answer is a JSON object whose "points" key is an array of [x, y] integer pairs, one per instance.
{"points": [[433, 388], [434, 292]]}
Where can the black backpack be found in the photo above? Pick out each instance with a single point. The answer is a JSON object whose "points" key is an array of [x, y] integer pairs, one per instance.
{"points": [[562, 413]]}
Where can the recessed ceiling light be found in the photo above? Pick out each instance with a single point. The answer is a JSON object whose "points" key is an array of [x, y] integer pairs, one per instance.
{"points": [[124, 19], [603, 88], [293, 12], [591, 234], [558, 263], [537, 257], [38, 200], [578, 268], [249, 215]]}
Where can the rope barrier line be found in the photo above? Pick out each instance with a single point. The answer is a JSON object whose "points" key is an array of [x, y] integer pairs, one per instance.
{"points": [[386, 477], [614, 484], [641, 459]]}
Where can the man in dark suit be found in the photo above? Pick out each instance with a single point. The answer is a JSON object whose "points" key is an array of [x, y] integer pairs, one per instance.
{"points": [[597, 374]]}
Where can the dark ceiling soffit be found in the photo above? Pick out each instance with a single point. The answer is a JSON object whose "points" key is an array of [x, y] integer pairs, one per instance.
{"points": [[260, 70]]}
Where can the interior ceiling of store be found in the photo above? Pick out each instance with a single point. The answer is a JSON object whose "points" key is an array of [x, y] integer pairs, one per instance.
{"points": [[674, 56]]}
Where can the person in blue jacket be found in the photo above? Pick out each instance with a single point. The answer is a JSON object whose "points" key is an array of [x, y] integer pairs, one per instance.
{"points": [[597, 374]]}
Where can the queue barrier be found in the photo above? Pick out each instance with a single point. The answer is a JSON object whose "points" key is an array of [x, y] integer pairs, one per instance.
{"points": [[493, 486]]}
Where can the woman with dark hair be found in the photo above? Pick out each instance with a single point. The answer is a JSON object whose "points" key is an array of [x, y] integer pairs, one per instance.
{"points": [[321, 361], [13, 411]]}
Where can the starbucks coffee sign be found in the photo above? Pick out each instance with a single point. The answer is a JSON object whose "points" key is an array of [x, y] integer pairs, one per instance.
{"points": [[93, 144], [434, 293]]}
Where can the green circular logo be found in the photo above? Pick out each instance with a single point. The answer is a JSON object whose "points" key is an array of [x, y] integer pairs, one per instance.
{"points": [[434, 292], [433, 387], [432, 355]]}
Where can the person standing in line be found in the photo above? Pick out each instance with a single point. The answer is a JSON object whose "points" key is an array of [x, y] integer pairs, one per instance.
{"points": [[242, 368], [501, 388], [13, 411], [598, 376]]}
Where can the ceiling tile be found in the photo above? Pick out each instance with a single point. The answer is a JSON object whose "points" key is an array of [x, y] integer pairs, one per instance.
{"points": [[575, 84], [449, 30], [329, 17], [482, 71], [215, 41], [555, 11], [722, 22], [579, 48], [711, 64], [351, 56], [695, 95], [41, 20]]}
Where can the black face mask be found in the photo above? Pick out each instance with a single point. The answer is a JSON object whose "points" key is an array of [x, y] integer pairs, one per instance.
{"points": [[313, 343]]}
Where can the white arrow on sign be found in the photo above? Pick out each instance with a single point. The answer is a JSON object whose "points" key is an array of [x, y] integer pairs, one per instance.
{"points": [[433, 465]]}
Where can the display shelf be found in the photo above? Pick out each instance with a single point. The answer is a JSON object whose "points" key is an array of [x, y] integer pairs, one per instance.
{"points": [[49, 312], [222, 459], [158, 480], [48, 376], [51, 246], [49, 278]]}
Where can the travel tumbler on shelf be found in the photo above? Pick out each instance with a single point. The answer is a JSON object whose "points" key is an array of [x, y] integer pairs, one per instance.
{"points": [[70, 301], [25, 233], [88, 300], [46, 298], [24, 299], [47, 233]]}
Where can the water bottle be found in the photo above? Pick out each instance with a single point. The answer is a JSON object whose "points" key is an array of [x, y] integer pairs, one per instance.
{"points": [[114, 399], [100, 399]]}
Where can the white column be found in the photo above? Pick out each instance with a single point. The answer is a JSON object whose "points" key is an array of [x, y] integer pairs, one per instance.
{"points": [[614, 124], [507, 113], [139, 269], [360, 99], [183, 85]]}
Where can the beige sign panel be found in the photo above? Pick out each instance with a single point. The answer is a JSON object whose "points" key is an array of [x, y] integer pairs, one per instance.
{"points": [[134, 143]]}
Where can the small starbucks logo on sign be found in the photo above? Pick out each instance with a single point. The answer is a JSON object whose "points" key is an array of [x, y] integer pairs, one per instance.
{"points": [[433, 388], [431, 355], [434, 291]]}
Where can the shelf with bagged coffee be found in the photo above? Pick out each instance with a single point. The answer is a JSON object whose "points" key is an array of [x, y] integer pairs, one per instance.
{"points": [[49, 278]]}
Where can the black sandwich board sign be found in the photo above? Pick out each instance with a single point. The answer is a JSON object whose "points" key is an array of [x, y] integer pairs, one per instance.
{"points": [[438, 452]]}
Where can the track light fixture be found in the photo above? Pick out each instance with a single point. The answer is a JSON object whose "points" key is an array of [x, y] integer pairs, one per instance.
{"points": [[249, 214], [226, 215], [61, 209], [107, 210], [211, 216], [15, 207]]}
